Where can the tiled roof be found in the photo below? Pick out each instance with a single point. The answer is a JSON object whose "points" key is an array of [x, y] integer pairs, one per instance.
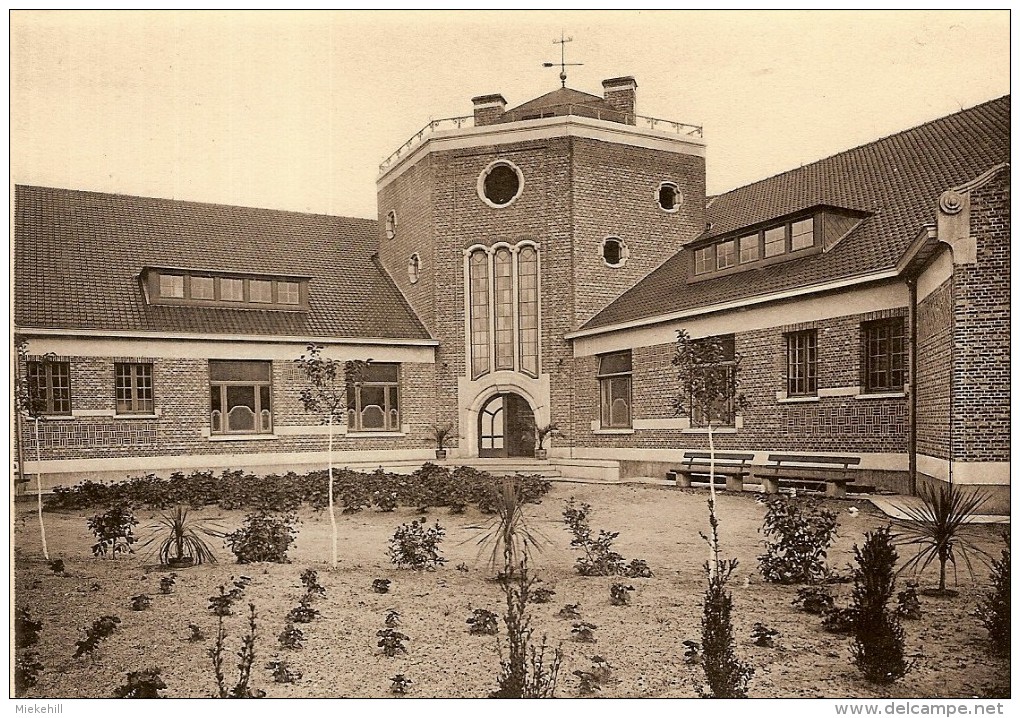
{"points": [[78, 256], [553, 100], [898, 178]]}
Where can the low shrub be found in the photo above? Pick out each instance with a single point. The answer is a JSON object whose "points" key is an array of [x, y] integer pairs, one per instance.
{"points": [[592, 680], [141, 684], [599, 558], [994, 609], [541, 594], [692, 653], [570, 610], [839, 620], [310, 580], [291, 637], [400, 684], [763, 636], [727, 676], [303, 612], [877, 646], [57, 566], [26, 631], [26, 671], [619, 594], [141, 602], [222, 604], [282, 672], [637, 568], [908, 605], [391, 641], [814, 599], [381, 585], [113, 530], [196, 634], [416, 546], [101, 629], [392, 619], [263, 538], [798, 535], [167, 583], [584, 632], [483, 623]]}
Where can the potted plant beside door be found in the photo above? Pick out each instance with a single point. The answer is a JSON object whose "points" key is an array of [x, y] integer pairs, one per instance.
{"points": [[541, 434], [441, 433]]}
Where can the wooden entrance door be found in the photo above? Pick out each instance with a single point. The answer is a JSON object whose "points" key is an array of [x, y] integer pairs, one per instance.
{"points": [[506, 427]]}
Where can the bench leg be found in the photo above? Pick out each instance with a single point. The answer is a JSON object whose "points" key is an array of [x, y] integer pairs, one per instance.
{"points": [[735, 483], [683, 480], [835, 489], [770, 485]]}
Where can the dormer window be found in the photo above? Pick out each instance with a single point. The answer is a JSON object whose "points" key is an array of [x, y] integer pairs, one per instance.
{"points": [[767, 245], [212, 288]]}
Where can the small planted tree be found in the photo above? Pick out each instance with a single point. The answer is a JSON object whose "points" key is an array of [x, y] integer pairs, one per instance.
{"points": [[709, 393], [326, 395], [994, 609], [30, 405], [878, 640], [939, 529]]}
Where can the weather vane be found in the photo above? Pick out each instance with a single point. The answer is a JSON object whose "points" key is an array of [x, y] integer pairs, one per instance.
{"points": [[562, 42]]}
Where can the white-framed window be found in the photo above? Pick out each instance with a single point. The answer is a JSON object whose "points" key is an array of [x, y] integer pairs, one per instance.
{"points": [[391, 224], [614, 252], [231, 290], [260, 290], [614, 376], [288, 293], [503, 302], [240, 397], [500, 183], [171, 285], [133, 387], [749, 249], [704, 260], [726, 254], [373, 403], [668, 197], [802, 234], [414, 268]]}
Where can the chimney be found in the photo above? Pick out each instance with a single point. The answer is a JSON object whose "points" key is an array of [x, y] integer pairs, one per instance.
{"points": [[488, 109], [621, 94]]}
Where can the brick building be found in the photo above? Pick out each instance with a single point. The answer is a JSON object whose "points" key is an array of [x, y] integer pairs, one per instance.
{"points": [[532, 266]]}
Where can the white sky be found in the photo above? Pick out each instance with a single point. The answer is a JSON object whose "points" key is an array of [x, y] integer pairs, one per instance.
{"points": [[296, 110]]}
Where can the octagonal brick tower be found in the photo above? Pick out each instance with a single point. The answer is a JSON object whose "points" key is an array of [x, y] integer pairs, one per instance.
{"points": [[509, 228]]}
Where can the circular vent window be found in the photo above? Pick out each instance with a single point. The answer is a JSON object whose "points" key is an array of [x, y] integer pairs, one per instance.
{"points": [[500, 183]]}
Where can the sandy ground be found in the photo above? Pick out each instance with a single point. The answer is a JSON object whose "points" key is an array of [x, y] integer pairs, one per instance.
{"points": [[642, 642]]}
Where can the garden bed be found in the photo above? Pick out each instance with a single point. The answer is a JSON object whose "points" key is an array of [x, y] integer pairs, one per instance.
{"points": [[642, 641]]}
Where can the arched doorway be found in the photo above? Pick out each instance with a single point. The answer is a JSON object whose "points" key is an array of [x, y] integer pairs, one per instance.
{"points": [[506, 427]]}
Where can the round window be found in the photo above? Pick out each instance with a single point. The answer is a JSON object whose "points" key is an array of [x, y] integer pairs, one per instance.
{"points": [[614, 252], [500, 184], [414, 268], [669, 197]]}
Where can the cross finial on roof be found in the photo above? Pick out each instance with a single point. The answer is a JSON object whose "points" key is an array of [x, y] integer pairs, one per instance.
{"points": [[562, 42]]}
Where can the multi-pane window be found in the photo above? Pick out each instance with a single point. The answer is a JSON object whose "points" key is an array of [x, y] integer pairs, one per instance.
{"points": [[240, 397], [49, 387], [503, 303], [232, 290], [203, 288], [885, 355], [802, 363], [260, 290], [614, 377], [373, 403], [775, 241], [133, 387], [503, 317], [527, 309], [718, 371], [703, 259], [802, 234], [171, 285], [478, 268], [288, 293], [749, 249], [725, 254]]}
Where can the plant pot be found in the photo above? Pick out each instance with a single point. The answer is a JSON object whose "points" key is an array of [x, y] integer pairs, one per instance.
{"points": [[541, 454], [440, 454], [183, 562]]}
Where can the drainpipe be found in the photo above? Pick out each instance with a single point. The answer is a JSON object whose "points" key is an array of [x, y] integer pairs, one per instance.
{"points": [[912, 387]]}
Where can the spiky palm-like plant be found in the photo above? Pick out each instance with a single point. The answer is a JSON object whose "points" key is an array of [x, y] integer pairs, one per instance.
{"points": [[181, 537], [939, 528], [508, 533]]}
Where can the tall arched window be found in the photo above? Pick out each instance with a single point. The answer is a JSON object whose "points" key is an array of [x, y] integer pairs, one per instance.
{"points": [[503, 324], [503, 315], [527, 308], [478, 267]]}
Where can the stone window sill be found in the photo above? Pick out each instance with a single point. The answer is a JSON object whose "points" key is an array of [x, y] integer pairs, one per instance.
{"points": [[242, 437], [882, 395], [136, 416], [704, 430], [373, 434], [612, 431], [798, 400]]}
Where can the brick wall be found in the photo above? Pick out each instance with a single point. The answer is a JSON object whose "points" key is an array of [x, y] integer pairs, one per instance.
{"points": [[934, 369], [981, 401], [832, 424], [181, 388]]}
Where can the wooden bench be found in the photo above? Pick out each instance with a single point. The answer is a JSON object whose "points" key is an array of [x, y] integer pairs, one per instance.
{"points": [[811, 471], [733, 466]]}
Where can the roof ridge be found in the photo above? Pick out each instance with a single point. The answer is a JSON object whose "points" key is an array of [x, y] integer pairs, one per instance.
{"points": [[192, 202], [848, 150]]}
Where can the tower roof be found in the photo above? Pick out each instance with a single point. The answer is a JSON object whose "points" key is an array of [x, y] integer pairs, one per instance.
{"points": [[558, 102]]}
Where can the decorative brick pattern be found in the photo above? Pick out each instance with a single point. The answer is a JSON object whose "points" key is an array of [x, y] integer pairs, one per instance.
{"points": [[934, 367]]}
